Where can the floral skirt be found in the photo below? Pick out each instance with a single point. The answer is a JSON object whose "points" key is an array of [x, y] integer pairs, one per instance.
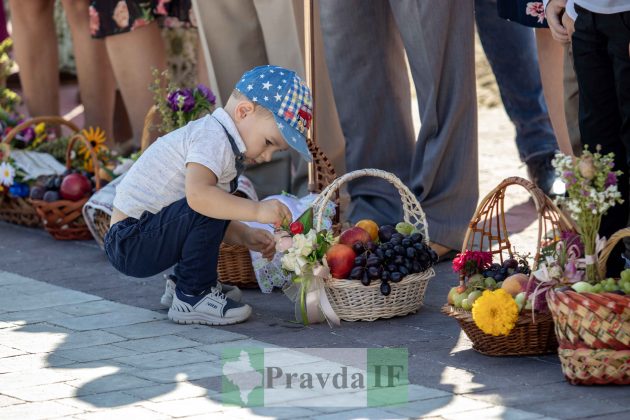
{"points": [[111, 17], [525, 12]]}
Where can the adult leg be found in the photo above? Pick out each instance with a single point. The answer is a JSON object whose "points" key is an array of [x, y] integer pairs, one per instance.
{"points": [[36, 53], [439, 39], [511, 52], [551, 59], [96, 79], [367, 68], [571, 101], [133, 55], [601, 121]]}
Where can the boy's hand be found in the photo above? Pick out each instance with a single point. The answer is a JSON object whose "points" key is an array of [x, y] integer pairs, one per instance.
{"points": [[273, 212], [262, 241], [554, 11]]}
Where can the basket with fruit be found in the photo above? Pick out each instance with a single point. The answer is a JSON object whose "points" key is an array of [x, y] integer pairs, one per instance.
{"points": [[493, 302], [14, 204], [62, 197], [378, 272]]}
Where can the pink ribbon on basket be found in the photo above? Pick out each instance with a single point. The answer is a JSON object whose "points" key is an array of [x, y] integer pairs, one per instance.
{"points": [[309, 294]]}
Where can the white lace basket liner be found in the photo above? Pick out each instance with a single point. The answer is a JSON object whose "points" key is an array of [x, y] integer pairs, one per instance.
{"points": [[350, 299]]}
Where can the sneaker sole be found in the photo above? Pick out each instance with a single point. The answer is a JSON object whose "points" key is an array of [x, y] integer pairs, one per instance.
{"points": [[187, 318]]}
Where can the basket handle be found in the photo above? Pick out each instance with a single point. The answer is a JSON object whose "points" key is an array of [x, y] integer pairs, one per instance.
{"points": [[608, 248], [413, 213], [146, 130], [34, 121], [81, 138]]}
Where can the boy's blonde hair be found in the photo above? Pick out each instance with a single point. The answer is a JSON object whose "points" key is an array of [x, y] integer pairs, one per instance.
{"points": [[238, 96]]}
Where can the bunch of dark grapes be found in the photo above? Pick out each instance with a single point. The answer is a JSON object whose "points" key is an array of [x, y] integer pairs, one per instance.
{"points": [[500, 272], [392, 260]]}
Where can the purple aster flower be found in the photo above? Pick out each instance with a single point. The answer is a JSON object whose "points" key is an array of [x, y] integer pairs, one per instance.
{"points": [[27, 135], [611, 180], [206, 92], [181, 100]]}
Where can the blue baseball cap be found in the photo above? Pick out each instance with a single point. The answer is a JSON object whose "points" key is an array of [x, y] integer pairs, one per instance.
{"points": [[282, 92]]}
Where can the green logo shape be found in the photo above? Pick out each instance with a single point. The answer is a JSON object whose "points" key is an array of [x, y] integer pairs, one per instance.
{"points": [[387, 376], [242, 379]]}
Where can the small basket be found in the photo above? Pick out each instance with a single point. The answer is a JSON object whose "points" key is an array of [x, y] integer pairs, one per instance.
{"points": [[350, 299], [593, 330], [530, 336], [19, 210], [235, 263], [63, 218]]}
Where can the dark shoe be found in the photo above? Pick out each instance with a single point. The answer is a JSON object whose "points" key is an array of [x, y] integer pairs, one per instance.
{"points": [[542, 173]]}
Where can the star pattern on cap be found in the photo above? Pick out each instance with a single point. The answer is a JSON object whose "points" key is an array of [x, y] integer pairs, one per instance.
{"points": [[250, 87], [266, 85], [277, 97], [266, 98]]}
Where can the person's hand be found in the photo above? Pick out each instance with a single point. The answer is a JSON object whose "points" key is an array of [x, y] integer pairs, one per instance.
{"points": [[569, 25], [261, 241], [554, 11], [273, 212]]}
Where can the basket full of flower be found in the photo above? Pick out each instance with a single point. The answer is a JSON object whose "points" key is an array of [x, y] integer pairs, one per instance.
{"points": [[367, 272], [495, 302], [591, 313], [32, 135]]}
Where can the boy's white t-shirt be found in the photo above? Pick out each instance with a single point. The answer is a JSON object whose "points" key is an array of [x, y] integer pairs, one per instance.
{"points": [[157, 179]]}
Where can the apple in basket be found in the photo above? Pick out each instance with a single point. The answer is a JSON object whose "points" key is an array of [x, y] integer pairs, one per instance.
{"points": [[340, 259], [354, 234], [74, 187]]}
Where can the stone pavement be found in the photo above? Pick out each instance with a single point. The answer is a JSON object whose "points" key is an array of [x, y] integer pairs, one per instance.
{"points": [[79, 340]]}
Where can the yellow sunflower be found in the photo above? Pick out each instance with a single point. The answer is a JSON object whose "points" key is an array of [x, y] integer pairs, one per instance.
{"points": [[495, 312], [96, 137]]}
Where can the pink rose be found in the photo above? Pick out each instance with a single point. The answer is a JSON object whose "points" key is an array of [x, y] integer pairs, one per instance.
{"points": [[160, 9], [121, 14], [95, 22]]}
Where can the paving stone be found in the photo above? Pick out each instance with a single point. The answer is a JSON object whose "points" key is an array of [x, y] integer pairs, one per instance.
{"points": [[100, 352], [37, 337], [169, 392], [150, 329], [90, 308], [124, 316], [363, 413], [238, 344], [208, 335], [30, 362], [95, 402], [185, 407], [6, 401], [438, 407], [41, 410], [34, 316], [9, 352], [185, 372], [61, 297], [17, 380], [269, 413], [167, 358], [504, 413], [123, 413], [156, 344], [42, 392], [113, 382], [570, 408], [29, 288]]}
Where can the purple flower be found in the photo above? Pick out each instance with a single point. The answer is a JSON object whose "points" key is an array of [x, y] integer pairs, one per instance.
{"points": [[206, 92], [181, 100], [611, 180], [27, 135]]}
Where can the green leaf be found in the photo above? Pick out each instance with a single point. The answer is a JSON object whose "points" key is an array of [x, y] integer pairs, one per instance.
{"points": [[306, 219]]}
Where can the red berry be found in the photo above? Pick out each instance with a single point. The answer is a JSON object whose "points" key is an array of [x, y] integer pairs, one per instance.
{"points": [[296, 227]]}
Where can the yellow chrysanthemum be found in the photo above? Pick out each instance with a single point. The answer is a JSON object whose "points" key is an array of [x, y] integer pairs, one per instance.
{"points": [[96, 137], [495, 312]]}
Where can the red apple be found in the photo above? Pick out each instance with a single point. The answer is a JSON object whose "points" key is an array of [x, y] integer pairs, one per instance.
{"points": [[353, 235], [340, 259], [74, 187]]}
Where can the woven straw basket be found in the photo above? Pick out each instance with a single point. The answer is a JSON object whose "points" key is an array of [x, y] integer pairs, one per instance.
{"points": [[63, 218], [488, 231], [593, 330], [19, 210], [350, 299]]}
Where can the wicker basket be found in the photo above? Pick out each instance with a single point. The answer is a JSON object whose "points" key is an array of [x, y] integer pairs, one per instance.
{"points": [[593, 330], [63, 218], [488, 231], [18, 210], [350, 299]]}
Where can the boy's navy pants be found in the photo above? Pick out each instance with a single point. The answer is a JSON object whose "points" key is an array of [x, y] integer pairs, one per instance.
{"points": [[176, 235]]}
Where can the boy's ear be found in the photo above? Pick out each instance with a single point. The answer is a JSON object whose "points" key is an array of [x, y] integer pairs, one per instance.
{"points": [[243, 109]]}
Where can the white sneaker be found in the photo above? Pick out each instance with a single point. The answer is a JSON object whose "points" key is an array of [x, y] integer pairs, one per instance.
{"points": [[213, 308], [231, 292]]}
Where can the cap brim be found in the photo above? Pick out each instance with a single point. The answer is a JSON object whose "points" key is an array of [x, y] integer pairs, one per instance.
{"points": [[294, 139]]}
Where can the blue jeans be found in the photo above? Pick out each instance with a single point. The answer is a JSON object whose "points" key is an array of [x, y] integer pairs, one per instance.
{"points": [[511, 52], [176, 235]]}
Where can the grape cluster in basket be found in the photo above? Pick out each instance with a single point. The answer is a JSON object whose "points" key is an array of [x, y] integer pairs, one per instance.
{"points": [[396, 256], [72, 185], [500, 272]]}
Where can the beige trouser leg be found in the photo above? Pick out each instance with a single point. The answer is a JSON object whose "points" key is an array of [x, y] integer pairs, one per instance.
{"points": [[242, 34]]}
